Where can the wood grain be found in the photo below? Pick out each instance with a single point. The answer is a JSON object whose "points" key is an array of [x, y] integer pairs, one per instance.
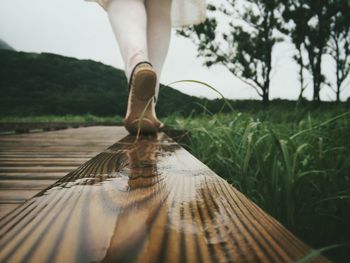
{"points": [[31, 162], [144, 201]]}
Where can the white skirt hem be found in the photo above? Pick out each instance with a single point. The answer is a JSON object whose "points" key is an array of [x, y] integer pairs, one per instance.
{"points": [[183, 12]]}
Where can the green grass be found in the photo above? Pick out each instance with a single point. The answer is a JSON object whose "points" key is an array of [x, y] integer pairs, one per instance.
{"points": [[295, 164]]}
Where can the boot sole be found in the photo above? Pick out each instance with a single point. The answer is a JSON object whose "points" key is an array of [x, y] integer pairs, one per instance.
{"points": [[144, 90], [145, 84]]}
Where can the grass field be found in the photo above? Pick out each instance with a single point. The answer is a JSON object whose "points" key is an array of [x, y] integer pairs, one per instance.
{"points": [[295, 164]]}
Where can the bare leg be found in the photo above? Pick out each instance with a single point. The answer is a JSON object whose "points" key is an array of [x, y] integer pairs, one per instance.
{"points": [[129, 23], [158, 33]]}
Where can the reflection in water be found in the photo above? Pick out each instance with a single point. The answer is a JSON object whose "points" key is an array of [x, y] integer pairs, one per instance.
{"points": [[143, 201], [146, 197]]}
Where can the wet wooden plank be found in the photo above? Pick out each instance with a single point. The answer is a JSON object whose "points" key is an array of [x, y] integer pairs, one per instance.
{"points": [[82, 150], [29, 126], [31, 176], [23, 184], [31, 162], [42, 163], [45, 155], [102, 133], [12, 196], [144, 201], [6, 208], [42, 160], [29, 169]]}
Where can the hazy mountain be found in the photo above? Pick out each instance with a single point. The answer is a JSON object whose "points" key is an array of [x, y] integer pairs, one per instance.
{"points": [[4, 45], [44, 83]]}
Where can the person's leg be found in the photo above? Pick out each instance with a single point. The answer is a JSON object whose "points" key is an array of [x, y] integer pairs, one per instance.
{"points": [[158, 33], [129, 23], [137, 24]]}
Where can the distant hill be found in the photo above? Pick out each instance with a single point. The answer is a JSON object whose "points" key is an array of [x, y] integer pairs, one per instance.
{"points": [[44, 83], [4, 45]]}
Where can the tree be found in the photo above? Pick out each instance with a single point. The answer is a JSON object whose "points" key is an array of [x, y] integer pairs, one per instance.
{"points": [[339, 44], [296, 13], [245, 48], [312, 20]]}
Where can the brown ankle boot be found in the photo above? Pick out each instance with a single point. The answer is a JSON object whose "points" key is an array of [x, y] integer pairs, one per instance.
{"points": [[142, 86]]}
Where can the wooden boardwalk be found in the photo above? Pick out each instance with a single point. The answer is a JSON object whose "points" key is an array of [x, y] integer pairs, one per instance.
{"points": [[31, 162], [142, 201]]}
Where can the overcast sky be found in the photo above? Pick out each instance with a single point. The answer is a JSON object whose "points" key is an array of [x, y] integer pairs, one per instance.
{"points": [[80, 29]]}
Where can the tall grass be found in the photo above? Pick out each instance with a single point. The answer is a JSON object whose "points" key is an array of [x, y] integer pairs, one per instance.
{"points": [[295, 164]]}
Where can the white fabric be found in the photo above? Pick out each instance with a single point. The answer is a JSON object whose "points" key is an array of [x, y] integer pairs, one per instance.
{"points": [[140, 41], [183, 12]]}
